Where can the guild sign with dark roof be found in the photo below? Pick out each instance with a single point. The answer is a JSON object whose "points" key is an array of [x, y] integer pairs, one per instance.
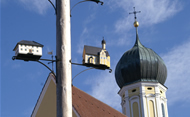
{"points": [[28, 50], [96, 57]]}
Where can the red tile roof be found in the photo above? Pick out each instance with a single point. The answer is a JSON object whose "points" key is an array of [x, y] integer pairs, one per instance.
{"points": [[88, 106]]}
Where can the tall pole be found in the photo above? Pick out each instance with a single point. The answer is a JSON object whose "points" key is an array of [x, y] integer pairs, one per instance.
{"points": [[63, 52]]}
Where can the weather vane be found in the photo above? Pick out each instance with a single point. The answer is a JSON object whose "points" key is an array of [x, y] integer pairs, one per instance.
{"points": [[136, 24]]}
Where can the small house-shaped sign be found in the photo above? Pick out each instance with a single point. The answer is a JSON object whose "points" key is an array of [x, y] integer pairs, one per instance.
{"points": [[96, 57], [28, 50]]}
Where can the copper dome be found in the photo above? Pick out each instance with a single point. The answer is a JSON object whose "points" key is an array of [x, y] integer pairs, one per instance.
{"points": [[140, 64]]}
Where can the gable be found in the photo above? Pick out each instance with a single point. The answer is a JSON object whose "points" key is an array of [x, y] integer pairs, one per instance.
{"points": [[83, 104], [46, 104]]}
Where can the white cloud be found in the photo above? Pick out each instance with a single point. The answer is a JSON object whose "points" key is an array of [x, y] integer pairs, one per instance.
{"points": [[39, 6], [105, 89], [90, 18], [84, 35], [178, 64], [16, 66], [152, 11]]}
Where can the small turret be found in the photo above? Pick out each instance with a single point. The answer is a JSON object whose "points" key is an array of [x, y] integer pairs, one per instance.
{"points": [[103, 44]]}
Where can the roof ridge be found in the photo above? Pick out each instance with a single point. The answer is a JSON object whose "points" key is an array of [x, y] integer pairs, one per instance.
{"points": [[93, 46]]}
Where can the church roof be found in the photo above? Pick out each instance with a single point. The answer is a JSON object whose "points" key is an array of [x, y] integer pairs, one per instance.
{"points": [[88, 106], [140, 64], [93, 50]]}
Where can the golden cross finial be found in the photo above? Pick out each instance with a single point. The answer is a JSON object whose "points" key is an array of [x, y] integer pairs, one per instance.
{"points": [[136, 24]]}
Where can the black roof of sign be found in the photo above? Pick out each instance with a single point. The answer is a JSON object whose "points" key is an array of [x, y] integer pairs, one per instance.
{"points": [[32, 43], [93, 50]]}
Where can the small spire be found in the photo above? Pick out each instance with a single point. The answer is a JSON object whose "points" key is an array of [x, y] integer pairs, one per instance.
{"points": [[137, 43], [103, 44], [136, 24], [103, 41]]}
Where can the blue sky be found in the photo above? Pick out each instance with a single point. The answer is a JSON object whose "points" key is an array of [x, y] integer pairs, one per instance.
{"points": [[164, 27]]}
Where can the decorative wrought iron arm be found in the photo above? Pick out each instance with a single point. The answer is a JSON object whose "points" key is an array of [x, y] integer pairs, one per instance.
{"points": [[53, 6], [46, 67], [26, 59], [97, 1], [93, 66], [81, 72]]}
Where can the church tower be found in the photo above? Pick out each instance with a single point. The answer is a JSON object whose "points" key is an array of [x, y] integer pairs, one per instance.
{"points": [[141, 74]]}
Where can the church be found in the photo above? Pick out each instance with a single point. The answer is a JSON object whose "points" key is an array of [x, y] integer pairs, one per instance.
{"points": [[140, 73]]}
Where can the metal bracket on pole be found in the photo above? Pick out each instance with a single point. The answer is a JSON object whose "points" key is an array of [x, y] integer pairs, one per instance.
{"points": [[46, 67], [81, 72], [97, 1], [53, 6], [27, 59], [100, 67]]}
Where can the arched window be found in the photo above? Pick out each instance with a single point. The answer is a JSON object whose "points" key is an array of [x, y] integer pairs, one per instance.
{"points": [[151, 109], [135, 109], [90, 60], [163, 110]]}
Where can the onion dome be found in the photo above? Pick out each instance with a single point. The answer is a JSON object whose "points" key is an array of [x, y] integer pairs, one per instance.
{"points": [[103, 41], [140, 64]]}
